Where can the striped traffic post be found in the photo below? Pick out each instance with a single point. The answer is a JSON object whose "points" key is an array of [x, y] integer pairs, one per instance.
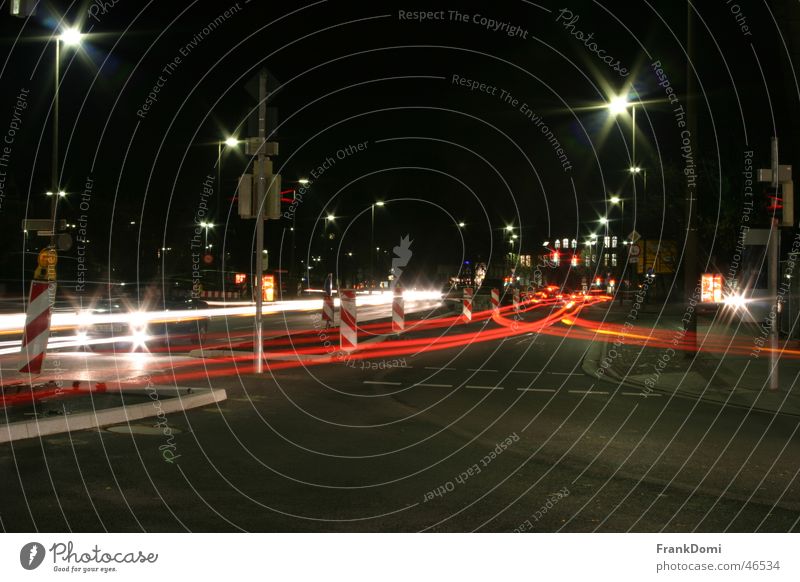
{"points": [[348, 319], [515, 296], [37, 318], [495, 300], [398, 311], [466, 311], [327, 310]]}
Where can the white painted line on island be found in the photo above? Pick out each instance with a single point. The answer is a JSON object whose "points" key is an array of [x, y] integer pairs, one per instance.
{"points": [[382, 383], [484, 387]]}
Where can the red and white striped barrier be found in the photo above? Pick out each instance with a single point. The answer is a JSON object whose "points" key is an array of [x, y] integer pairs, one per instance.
{"points": [[398, 311], [466, 310], [495, 300], [219, 295], [516, 299], [327, 310], [348, 319], [37, 326]]}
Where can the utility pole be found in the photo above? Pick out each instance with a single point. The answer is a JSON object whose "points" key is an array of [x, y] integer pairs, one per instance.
{"points": [[690, 278], [261, 179], [780, 179]]}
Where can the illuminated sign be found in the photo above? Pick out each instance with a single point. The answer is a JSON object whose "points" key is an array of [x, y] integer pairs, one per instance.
{"points": [[239, 278], [711, 288], [268, 287]]}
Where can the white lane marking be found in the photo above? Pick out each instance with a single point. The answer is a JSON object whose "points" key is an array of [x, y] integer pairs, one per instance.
{"points": [[484, 387], [435, 368], [586, 392], [565, 373], [524, 372], [536, 389], [481, 370], [434, 385], [639, 394], [382, 383]]}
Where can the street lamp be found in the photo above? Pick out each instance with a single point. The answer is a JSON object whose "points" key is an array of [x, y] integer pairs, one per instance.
{"points": [[71, 37], [621, 201], [461, 224], [230, 142], [372, 244], [206, 226]]}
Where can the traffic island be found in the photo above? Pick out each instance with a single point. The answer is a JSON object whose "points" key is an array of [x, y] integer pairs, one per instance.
{"points": [[97, 405]]}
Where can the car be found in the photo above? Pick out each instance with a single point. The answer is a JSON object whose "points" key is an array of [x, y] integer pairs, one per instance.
{"points": [[117, 325]]}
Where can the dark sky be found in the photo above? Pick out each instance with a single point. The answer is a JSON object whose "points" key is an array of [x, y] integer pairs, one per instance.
{"points": [[353, 73]]}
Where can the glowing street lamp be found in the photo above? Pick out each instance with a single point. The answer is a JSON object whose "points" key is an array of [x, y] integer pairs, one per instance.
{"points": [[70, 37]]}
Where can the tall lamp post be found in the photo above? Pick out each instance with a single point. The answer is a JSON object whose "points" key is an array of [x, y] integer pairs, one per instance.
{"points": [[70, 37], [372, 245], [230, 142]]}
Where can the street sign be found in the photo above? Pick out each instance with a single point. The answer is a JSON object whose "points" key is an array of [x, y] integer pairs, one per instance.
{"points": [[208, 259], [634, 236], [635, 250]]}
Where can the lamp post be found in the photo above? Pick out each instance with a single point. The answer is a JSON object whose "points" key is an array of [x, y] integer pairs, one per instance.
{"points": [[372, 245], [70, 37]]}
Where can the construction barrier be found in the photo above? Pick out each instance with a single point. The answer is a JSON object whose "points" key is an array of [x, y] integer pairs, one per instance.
{"points": [[467, 304], [327, 310], [348, 319], [398, 311], [219, 295], [495, 300], [37, 326]]}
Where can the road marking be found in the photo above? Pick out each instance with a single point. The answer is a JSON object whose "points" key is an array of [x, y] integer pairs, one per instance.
{"points": [[484, 387], [382, 383], [481, 370], [434, 385], [566, 373], [536, 389], [639, 394], [435, 368], [586, 392], [524, 372]]}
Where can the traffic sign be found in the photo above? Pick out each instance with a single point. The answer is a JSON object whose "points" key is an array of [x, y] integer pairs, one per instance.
{"points": [[208, 259], [634, 236], [635, 250]]}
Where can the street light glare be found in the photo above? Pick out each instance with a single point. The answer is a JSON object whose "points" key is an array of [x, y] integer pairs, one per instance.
{"points": [[603, 220], [509, 228], [71, 36], [303, 181], [330, 217], [380, 203], [634, 169], [617, 105], [231, 142], [62, 194], [462, 224], [614, 200]]}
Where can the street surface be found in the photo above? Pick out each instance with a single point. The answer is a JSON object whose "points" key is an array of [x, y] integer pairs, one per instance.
{"points": [[490, 434]]}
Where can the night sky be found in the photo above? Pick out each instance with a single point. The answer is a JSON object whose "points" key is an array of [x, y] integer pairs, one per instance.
{"points": [[487, 113]]}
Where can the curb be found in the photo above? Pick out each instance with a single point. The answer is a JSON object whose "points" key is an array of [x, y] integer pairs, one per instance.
{"points": [[597, 353], [181, 399]]}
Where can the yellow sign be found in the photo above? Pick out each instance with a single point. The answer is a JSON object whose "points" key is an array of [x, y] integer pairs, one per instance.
{"points": [[659, 255], [46, 271]]}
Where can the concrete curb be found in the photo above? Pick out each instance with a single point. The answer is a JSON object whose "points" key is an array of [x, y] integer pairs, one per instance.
{"points": [[180, 399], [598, 352]]}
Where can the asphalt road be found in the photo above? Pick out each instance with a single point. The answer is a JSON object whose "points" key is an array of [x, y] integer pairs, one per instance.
{"points": [[501, 435]]}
